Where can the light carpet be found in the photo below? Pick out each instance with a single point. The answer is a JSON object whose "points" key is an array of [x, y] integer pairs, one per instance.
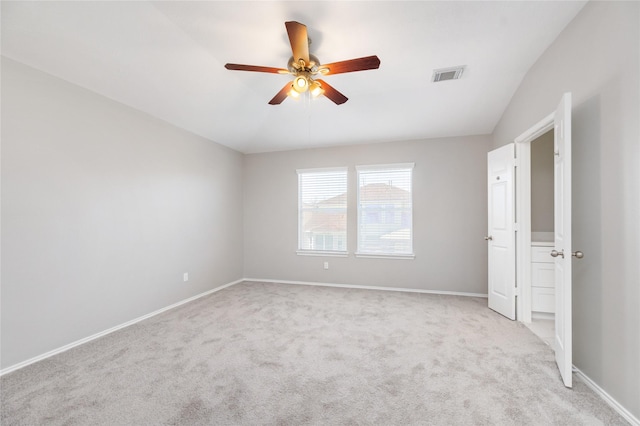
{"points": [[279, 354]]}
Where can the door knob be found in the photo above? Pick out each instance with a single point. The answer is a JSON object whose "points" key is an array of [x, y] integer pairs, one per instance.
{"points": [[556, 253], [578, 254], [489, 238]]}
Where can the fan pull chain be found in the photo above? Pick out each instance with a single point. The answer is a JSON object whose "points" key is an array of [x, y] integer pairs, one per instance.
{"points": [[308, 116]]}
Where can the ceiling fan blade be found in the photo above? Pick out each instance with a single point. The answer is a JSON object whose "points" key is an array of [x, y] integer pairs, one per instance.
{"points": [[281, 95], [359, 64], [331, 93], [299, 40], [240, 67]]}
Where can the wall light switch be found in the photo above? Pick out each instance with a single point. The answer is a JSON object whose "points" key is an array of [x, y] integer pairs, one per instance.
{"points": [[326, 265], [185, 277]]}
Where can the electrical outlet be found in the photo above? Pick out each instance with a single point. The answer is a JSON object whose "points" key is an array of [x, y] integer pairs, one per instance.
{"points": [[326, 265], [185, 277]]}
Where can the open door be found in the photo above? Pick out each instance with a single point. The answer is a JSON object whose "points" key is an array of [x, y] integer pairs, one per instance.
{"points": [[562, 252], [500, 236]]}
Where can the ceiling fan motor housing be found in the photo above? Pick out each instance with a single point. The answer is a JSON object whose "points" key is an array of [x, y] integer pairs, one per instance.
{"points": [[312, 67]]}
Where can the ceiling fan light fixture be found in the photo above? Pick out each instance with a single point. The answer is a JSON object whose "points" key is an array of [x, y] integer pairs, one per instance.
{"points": [[316, 89], [293, 93], [300, 84]]}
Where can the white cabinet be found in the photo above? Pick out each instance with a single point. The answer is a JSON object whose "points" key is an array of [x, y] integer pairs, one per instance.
{"points": [[542, 278]]}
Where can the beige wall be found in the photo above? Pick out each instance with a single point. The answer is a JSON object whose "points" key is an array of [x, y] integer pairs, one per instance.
{"points": [[450, 216], [103, 209], [597, 58], [542, 183]]}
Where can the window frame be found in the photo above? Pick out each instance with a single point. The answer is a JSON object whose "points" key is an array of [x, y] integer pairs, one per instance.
{"points": [[378, 255], [330, 253]]}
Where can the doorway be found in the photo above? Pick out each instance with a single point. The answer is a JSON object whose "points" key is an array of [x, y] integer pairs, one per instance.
{"points": [[559, 270], [532, 204], [542, 239], [514, 291]]}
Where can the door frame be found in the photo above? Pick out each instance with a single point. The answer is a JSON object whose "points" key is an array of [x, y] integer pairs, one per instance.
{"points": [[523, 213]]}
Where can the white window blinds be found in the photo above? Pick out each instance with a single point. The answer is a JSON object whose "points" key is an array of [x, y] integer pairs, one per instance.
{"points": [[322, 211], [385, 210]]}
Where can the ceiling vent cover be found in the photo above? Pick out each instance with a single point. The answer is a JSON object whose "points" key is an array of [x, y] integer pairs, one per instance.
{"points": [[444, 74]]}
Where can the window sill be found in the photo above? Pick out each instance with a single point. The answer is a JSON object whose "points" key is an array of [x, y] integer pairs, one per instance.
{"points": [[322, 253], [410, 256]]}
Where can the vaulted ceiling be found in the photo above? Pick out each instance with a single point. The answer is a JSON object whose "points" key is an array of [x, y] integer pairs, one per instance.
{"points": [[167, 59]]}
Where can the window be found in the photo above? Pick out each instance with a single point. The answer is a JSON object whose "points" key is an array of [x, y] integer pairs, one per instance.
{"points": [[322, 211], [385, 209]]}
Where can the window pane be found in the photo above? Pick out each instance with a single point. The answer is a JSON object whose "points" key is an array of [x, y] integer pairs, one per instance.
{"points": [[322, 208], [385, 210]]}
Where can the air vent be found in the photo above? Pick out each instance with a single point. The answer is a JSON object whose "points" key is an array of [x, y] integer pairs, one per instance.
{"points": [[444, 74]]}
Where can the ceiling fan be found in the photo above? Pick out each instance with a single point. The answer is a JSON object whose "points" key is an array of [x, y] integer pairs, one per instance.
{"points": [[306, 67]]}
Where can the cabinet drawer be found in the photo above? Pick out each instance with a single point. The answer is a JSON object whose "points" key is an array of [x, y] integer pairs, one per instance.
{"points": [[543, 299], [543, 275], [541, 254]]}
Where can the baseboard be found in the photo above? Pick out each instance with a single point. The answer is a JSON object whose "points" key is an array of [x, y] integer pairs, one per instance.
{"points": [[369, 287], [111, 330], [634, 421]]}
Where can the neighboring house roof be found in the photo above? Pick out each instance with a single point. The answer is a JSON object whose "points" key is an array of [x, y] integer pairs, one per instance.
{"points": [[329, 221], [338, 200], [372, 192], [325, 222], [383, 192]]}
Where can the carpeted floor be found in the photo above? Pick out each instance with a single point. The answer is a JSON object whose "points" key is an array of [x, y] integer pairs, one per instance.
{"points": [[282, 354]]}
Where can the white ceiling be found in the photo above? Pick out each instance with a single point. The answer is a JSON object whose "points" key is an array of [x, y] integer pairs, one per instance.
{"points": [[167, 59]]}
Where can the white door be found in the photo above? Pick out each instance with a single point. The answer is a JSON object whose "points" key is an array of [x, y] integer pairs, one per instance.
{"points": [[500, 236], [562, 251]]}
